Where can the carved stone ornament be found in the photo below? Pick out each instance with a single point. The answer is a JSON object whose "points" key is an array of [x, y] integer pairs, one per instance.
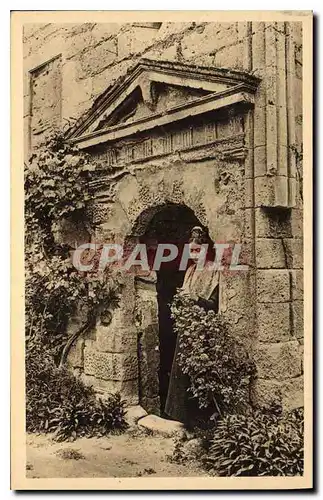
{"points": [[207, 89]]}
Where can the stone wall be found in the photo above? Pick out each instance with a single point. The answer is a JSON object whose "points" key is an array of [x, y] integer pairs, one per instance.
{"points": [[89, 57], [257, 200]]}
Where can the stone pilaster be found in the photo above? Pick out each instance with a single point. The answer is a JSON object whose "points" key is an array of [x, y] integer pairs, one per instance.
{"points": [[279, 352], [273, 55]]}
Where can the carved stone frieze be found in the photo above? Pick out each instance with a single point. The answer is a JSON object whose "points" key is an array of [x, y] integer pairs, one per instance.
{"points": [[193, 145]]}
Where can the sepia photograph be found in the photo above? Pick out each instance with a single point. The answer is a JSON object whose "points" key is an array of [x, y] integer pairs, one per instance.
{"points": [[162, 184]]}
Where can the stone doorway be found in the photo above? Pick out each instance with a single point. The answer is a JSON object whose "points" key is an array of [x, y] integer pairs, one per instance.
{"points": [[171, 223]]}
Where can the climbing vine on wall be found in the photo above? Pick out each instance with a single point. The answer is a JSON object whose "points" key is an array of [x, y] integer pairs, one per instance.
{"points": [[57, 189]]}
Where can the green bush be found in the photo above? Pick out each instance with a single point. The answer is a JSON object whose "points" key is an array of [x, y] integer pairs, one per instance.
{"points": [[261, 443], [57, 192], [217, 365], [59, 403]]}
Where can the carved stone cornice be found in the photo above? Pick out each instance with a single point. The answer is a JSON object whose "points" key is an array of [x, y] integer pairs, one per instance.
{"points": [[217, 101], [224, 88]]}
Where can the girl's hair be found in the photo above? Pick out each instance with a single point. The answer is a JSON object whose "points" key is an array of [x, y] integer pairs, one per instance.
{"points": [[199, 236]]}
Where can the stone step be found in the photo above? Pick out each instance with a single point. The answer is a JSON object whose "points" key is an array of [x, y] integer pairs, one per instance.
{"points": [[162, 426], [133, 414]]}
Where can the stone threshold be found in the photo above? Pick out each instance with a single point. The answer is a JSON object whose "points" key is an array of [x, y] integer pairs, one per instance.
{"points": [[137, 416]]}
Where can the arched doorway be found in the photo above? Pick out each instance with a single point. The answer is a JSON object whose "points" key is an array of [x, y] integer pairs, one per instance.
{"points": [[169, 223]]}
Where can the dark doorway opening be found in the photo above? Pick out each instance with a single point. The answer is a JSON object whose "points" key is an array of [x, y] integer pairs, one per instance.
{"points": [[171, 224]]}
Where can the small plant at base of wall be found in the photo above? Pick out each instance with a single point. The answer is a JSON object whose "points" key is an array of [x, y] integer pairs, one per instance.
{"points": [[259, 443]]}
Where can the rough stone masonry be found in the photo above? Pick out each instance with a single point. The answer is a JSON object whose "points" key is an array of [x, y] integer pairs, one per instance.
{"points": [[201, 116]]}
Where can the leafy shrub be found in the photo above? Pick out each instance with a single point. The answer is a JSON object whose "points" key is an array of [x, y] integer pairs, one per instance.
{"points": [[57, 190], [260, 443], [56, 182], [218, 367], [59, 403]]}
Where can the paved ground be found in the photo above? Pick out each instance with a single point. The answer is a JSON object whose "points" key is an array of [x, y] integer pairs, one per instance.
{"points": [[132, 454]]}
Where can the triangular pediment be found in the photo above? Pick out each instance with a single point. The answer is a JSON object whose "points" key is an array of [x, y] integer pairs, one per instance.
{"points": [[155, 88]]}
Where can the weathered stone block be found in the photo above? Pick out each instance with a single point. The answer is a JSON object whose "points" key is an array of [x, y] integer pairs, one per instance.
{"points": [[271, 191], [289, 392], [117, 340], [298, 318], [107, 77], [147, 304], [298, 70], [301, 353], [248, 222], [260, 165], [149, 359], [97, 58], [107, 366], [75, 356], [104, 31], [158, 425], [273, 286], [170, 28], [231, 56], [128, 389], [297, 223], [150, 404], [292, 393], [280, 360], [141, 38], [72, 101], [74, 44], [258, 47], [297, 284], [294, 197], [265, 392], [134, 413], [270, 253], [272, 223], [294, 253], [209, 38], [273, 322], [296, 32], [244, 29]]}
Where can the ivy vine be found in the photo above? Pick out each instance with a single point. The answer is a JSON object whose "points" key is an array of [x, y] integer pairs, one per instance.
{"points": [[57, 189]]}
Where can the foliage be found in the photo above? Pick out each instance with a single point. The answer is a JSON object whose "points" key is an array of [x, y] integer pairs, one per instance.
{"points": [[59, 403], [55, 291], [56, 189], [259, 443], [56, 182], [218, 367]]}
